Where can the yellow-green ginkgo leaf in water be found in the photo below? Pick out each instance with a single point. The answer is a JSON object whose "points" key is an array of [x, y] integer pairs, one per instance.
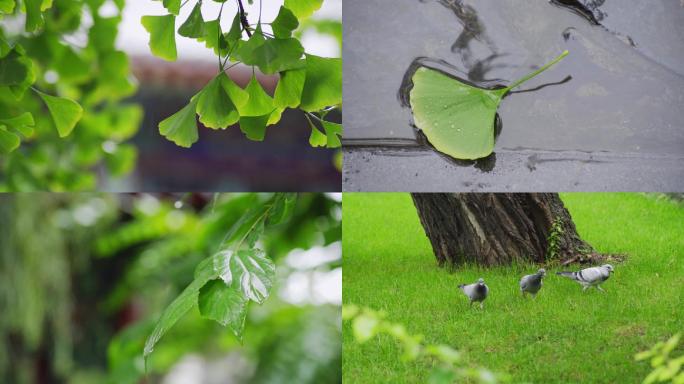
{"points": [[457, 118]]}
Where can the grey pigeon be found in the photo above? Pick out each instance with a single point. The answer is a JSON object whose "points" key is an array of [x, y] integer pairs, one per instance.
{"points": [[476, 291], [590, 277], [532, 283]]}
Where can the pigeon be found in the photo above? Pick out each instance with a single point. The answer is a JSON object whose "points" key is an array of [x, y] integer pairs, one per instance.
{"points": [[532, 283], [590, 277], [476, 291]]}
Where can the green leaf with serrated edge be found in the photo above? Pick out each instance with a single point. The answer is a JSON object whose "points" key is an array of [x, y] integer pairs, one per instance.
{"points": [[283, 207], [65, 112], [181, 127], [303, 8], [162, 35], [172, 6], [284, 23], [259, 104], [333, 132], [34, 17], [457, 118], [288, 92], [224, 304], [7, 6], [214, 107], [254, 127], [248, 270], [323, 83], [14, 68], [181, 304], [193, 26], [8, 141], [238, 96], [213, 37]]}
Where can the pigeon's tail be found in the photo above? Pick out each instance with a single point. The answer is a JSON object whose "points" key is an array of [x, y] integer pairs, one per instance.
{"points": [[569, 275]]}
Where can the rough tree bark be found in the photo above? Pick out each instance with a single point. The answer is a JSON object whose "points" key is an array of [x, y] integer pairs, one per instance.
{"points": [[499, 228]]}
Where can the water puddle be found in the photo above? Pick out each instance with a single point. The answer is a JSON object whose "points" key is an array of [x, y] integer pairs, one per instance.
{"points": [[619, 90]]}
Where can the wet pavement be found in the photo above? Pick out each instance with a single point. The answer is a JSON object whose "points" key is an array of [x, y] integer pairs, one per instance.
{"points": [[617, 96]]}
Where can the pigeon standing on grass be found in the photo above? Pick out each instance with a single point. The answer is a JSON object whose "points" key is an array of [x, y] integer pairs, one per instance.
{"points": [[475, 292], [590, 277], [532, 283]]}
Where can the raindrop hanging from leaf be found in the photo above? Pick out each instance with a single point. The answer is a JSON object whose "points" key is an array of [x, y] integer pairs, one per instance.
{"points": [[457, 118]]}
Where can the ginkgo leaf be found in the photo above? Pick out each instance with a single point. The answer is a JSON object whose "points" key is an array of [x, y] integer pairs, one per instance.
{"points": [[333, 132], [14, 68], [193, 26], [181, 127], [235, 32], [303, 8], [323, 83], [457, 118], [284, 23], [8, 141], [288, 92], [224, 304], [172, 6], [214, 106], [254, 127], [238, 96], [317, 138], [213, 38], [275, 116], [23, 123], [162, 35], [259, 104], [65, 112]]}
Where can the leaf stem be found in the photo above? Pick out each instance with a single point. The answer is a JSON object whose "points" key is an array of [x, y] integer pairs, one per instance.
{"points": [[538, 71], [243, 18]]}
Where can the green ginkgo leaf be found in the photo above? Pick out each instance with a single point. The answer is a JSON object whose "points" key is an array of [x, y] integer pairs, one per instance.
{"points": [[193, 26], [23, 123], [303, 8], [214, 106], [15, 68], [270, 55], [213, 37], [333, 132], [172, 6], [284, 23], [259, 104], [288, 92], [34, 16], [323, 83], [8, 141], [65, 112], [254, 127], [317, 138], [181, 127], [162, 35], [457, 118]]}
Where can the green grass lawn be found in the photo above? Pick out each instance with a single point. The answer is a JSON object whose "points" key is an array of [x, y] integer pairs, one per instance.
{"points": [[564, 335]]}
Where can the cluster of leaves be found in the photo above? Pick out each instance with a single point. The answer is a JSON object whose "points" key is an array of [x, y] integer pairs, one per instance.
{"points": [[553, 239], [307, 82], [52, 88], [448, 364], [237, 273], [665, 367]]}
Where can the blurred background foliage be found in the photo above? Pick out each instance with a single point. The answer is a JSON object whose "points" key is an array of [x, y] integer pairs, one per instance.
{"points": [[84, 277]]}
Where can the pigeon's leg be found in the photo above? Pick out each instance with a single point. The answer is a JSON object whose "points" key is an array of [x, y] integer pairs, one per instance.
{"points": [[584, 288], [534, 295], [600, 289]]}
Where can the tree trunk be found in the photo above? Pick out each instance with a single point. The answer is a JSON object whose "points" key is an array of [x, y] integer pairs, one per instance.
{"points": [[499, 228]]}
